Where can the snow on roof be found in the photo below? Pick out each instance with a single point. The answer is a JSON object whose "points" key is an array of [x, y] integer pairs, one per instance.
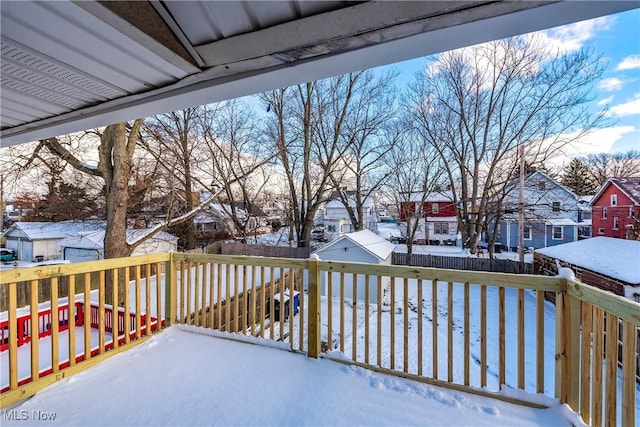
{"points": [[629, 185], [55, 230], [437, 196], [442, 219], [616, 258], [560, 221], [95, 240], [369, 241], [83, 241]]}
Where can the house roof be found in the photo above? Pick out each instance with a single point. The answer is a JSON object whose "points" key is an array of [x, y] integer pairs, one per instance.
{"points": [[514, 184], [615, 258], [95, 240], [442, 219], [433, 197], [629, 185], [53, 230], [560, 221], [367, 240]]}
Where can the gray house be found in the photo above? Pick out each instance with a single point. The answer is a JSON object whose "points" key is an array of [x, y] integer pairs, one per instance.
{"points": [[361, 246], [552, 214]]}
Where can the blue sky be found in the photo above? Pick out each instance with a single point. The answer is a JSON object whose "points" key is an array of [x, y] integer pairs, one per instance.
{"points": [[617, 39]]}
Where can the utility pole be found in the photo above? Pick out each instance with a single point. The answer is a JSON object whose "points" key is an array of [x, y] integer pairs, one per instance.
{"points": [[521, 207]]}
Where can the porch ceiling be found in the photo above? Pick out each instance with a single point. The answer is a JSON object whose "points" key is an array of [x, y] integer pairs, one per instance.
{"points": [[69, 66]]}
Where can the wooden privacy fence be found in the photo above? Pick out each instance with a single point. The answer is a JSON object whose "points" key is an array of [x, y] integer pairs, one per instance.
{"points": [[236, 248], [472, 331], [461, 263]]}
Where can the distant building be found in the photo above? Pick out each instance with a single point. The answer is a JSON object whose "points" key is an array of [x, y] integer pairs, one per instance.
{"points": [[336, 217], [90, 246], [552, 215], [616, 208], [74, 240], [38, 241], [436, 213]]}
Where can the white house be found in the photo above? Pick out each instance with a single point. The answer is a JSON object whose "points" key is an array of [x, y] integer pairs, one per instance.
{"points": [[38, 241], [89, 246], [337, 221], [361, 246]]}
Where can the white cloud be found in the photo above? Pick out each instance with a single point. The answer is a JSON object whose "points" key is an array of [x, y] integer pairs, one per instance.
{"points": [[570, 38], [629, 63], [610, 84], [605, 101], [599, 140], [629, 108]]}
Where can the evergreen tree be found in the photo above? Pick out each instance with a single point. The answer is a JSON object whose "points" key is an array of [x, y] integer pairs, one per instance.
{"points": [[577, 178]]}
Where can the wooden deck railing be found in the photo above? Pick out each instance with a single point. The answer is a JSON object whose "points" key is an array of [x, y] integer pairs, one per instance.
{"points": [[474, 331], [26, 367]]}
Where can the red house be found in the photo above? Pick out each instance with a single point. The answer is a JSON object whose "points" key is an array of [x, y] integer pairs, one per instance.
{"points": [[436, 212], [616, 207]]}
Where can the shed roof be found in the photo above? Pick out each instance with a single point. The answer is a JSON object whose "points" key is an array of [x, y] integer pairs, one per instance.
{"points": [[615, 258], [367, 240]]}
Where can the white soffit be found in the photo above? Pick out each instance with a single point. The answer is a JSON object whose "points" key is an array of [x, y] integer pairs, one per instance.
{"points": [[69, 66]]}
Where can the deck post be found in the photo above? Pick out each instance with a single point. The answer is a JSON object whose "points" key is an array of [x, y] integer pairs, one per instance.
{"points": [[169, 292], [568, 349], [314, 345]]}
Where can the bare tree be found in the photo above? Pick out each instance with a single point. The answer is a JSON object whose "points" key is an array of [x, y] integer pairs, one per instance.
{"points": [[307, 127], [476, 106], [174, 140], [238, 162], [371, 135], [613, 165], [415, 172]]}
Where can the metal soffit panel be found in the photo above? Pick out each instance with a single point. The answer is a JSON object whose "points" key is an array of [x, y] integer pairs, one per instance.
{"points": [[68, 66]]}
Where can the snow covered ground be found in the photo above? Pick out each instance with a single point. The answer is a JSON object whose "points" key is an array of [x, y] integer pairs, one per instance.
{"points": [[433, 396], [184, 377]]}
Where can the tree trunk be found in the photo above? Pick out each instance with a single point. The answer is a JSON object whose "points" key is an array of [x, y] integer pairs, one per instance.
{"points": [[115, 165]]}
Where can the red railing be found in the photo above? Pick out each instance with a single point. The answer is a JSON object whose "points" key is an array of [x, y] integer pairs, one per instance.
{"points": [[44, 329], [44, 323]]}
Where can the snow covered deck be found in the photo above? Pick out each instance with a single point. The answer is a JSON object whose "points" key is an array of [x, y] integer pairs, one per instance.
{"points": [[490, 335], [184, 377]]}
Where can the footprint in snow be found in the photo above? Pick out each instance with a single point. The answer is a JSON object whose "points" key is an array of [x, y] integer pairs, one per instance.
{"points": [[491, 410]]}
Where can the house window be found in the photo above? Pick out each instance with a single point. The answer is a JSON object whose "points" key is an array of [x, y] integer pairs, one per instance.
{"points": [[527, 232], [631, 211], [600, 230], [636, 297], [542, 185], [604, 212], [556, 206], [440, 228], [615, 223], [557, 232], [434, 208], [614, 200]]}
